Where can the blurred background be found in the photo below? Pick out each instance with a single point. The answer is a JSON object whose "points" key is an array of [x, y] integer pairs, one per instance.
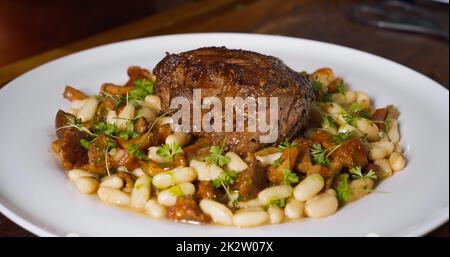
{"points": [[30, 27], [413, 33]]}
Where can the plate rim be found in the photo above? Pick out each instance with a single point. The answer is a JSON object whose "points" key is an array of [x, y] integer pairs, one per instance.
{"points": [[419, 230]]}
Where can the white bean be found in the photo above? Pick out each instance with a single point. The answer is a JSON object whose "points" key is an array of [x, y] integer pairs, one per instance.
{"points": [[385, 168], [77, 104], [169, 178], [236, 163], [111, 117], [398, 148], [360, 188], [321, 205], [397, 162], [294, 209], [218, 212], [250, 218], [249, 204], [386, 145], [152, 155], [112, 181], [267, 160], [148, 113], [169, 196], [334, 108], [125, 116], [337, 112], [86, 185], [309, 187], [155, 210], [180, 138], [369, 128], [163, 121], [362, 98], [376, 153], [383, 137], [88, 110], [166, 198], [72, 111], [331, 192], [346, 98], [153, 101], [276, 214], [77, 173], [138, 172], [350, 97], [324, 76], [113, 196], [274, 193], [393, 132], [121, 153], [141, 192], [250, 209], [205, 172]]}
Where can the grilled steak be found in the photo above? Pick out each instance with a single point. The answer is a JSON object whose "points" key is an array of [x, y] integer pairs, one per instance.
{"points": [[221, 72]]}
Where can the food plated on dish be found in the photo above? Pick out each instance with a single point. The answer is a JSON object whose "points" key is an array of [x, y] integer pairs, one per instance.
{"points": [[332, 145], [37, 195]]}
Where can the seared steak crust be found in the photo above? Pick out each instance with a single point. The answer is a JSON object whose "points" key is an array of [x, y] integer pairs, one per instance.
{"points": [[223, 73]]}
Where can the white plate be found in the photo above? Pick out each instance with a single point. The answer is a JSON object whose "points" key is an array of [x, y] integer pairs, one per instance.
{"points": [[35, 193]]}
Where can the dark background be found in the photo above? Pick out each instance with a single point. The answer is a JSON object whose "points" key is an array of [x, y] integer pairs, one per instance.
{"points": [[29, 27], [33, 32]]}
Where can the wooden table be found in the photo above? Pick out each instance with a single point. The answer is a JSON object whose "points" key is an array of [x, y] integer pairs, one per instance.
{"points": [[323, 20]]}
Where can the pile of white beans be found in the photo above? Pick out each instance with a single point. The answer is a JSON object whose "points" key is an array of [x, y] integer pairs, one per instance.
{"points": [[303, 200], [384, 148], [169, 184], [154, 195], [85, 110]]}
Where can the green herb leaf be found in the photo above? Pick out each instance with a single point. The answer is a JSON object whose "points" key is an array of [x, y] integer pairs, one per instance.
{"points": [[277, 162], [289, 177], [342, 137], [142, 88], [326, 97], [119, 101], [129, 132], [285, 145], [341, 88], [134, 149], [350, 119], [77, 122], [355, 109], [217, 156], [85, 144], [226, 178], [328, 122], [357, 173], [323, 96], [343, 189], [317, 85], [387, 124], [278, 202], [110, 145], [176, 191], [168, 151], [318, 155], [236, 201], [106, 128]]}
